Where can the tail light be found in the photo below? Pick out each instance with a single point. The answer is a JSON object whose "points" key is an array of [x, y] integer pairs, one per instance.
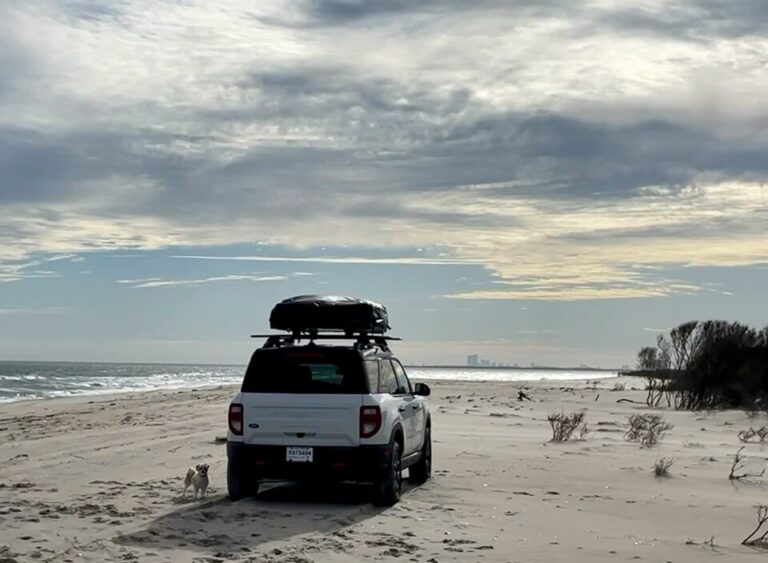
{"points": [[236, 419], [370, 421]]}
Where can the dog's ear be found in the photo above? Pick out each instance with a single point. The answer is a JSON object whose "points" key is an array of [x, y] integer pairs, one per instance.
{"points": [[198, 466]]}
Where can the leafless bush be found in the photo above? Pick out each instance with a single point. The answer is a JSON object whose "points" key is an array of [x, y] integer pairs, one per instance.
{"points": [[746, 435], [710, 543], [564, 426], [753, 409], [647, 429], [618, 386], [739, 470], [689, 444], [760, 540], [661, 467], [658, 390]]}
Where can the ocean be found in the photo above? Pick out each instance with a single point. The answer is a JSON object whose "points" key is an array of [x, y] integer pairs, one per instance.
{"points": [[47, 380]]}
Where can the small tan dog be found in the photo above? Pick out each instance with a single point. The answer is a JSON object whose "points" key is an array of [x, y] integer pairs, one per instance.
{"points": [[197, 478]]}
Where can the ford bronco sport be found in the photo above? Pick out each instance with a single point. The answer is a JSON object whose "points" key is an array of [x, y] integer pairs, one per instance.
{"points": [[313, 411]]}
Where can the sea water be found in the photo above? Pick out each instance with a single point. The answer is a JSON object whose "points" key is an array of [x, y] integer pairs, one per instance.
{"points": [[45, 380]]}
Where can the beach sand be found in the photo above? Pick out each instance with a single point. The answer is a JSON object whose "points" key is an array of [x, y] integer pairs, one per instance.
{"points": [[100, 479]]}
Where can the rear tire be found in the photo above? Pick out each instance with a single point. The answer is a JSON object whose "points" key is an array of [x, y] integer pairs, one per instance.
{"points": [[387, 492], [239, 486], [421, 471]]}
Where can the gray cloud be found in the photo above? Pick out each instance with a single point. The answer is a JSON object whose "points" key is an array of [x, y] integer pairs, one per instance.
{"points": [[343, 12], [691, 19], [182, 123], [697, 20]]}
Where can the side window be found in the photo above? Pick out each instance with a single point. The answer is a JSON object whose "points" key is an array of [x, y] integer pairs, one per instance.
{"points": [[372, 369], [403, 384], [387, 379]]}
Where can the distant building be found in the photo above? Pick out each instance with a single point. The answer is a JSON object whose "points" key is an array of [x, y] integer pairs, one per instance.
{"points": [[485, 363], [473, 360]]}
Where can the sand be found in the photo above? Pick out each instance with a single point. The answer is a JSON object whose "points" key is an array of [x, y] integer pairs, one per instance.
{"points": [[100, 479]]}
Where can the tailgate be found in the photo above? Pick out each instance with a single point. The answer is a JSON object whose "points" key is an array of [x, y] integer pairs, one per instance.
{"points": [[301, 419]]}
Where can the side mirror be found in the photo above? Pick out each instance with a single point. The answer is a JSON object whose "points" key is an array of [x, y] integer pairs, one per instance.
{"points": [[422, 389]]}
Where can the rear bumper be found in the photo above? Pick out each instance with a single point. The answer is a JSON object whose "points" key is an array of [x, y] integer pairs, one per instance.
{"points": [[363, 464]]}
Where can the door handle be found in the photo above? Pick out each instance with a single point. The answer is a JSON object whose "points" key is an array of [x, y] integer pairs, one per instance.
{"points": [[402, 408], [417, 407]]}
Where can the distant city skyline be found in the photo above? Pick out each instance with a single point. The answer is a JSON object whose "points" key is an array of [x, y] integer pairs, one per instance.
{"points": [[474, 360]]}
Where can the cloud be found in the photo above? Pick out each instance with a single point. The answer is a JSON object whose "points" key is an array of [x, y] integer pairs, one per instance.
{"points": [[138, 281], [159, 282], [573, 149], [73, 258], [334, 260], [43, 311], [696, 20], [11, 271]]}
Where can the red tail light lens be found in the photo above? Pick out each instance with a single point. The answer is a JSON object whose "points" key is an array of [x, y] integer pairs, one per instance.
{"points": [[236, 419], [370, 421]]}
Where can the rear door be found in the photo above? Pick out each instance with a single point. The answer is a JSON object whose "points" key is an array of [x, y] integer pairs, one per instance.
{"points": [[301, 420], [413, 403], [301, 397], [399, 394]]}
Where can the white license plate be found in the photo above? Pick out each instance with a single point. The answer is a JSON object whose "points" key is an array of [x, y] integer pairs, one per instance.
{"points": [[298, 455]]}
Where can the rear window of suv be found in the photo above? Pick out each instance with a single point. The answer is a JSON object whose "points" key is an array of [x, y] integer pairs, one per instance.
{"points": [[315, 371]]}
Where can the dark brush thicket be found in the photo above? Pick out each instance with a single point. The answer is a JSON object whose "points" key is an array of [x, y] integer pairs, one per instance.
{"points": [[710, 364]]}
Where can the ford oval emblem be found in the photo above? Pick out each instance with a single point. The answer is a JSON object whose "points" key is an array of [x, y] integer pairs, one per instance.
{"points": [[254, 425]]}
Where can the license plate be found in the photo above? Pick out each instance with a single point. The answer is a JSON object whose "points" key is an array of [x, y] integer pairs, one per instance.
{"points": [[298, 455]]}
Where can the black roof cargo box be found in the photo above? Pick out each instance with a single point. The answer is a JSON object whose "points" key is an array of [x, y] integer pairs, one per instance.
{"points": [[329, 312]]}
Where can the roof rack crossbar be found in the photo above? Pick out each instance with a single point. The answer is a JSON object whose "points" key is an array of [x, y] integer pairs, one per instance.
{"points": [[363, 340]]}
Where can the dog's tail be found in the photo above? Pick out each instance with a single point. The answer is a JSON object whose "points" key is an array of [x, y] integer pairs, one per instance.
{"points": [[190, 474]]}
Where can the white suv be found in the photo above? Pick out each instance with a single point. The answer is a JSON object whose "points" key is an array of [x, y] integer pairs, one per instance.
{"points": [[342, 413]]}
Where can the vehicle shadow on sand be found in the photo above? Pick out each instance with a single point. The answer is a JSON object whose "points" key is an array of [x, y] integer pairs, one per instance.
{"points": [[233, 530]]}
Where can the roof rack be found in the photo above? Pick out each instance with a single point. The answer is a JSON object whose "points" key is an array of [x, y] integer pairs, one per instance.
{"points": [[363, 340]]}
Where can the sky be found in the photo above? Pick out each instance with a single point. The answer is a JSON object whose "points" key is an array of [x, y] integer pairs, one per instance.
{"points": [[551, 181]]}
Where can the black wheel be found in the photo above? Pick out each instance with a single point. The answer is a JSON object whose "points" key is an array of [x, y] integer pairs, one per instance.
{"points": [[238, 486], [387, 492], [421, 471]]}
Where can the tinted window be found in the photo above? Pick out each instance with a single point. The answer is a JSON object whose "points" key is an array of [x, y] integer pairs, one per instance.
{"points": [[387, 379], [304, 371], [403, 384]]}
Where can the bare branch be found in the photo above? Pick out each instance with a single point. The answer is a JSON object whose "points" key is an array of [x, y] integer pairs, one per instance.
{"points": [[753, 538], [564, 425], [739, 471]]}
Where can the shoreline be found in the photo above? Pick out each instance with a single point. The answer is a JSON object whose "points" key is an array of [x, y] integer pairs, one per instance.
{"points": [[102, 392], [244, 365]]}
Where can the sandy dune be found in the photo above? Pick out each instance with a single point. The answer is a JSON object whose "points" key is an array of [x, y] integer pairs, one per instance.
{"points": [[99, 479]]}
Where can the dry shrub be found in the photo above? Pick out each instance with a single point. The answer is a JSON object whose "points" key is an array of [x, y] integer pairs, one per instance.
{"points": [[618, 386], [564, 426], [760, 540], [661, 467], [747, 435], [739, 470], [647, 429], [753, 408]]}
